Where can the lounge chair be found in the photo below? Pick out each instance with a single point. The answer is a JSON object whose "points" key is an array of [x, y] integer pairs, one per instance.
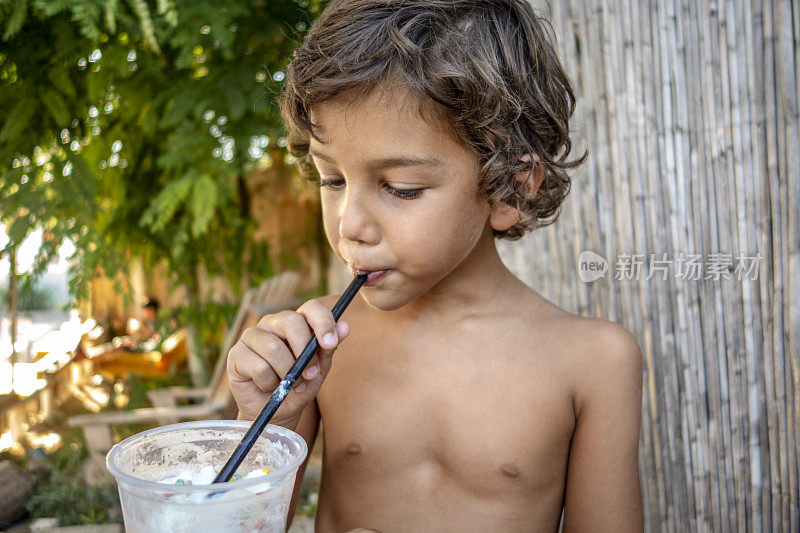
{"points": [[214, 401]]}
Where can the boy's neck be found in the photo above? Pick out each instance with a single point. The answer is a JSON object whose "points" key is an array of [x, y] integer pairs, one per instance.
{"points": [[477, 286]]}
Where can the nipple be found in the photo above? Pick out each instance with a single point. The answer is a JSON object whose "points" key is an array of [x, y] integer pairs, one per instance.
{"points": [[509, 469], [353, 448]]}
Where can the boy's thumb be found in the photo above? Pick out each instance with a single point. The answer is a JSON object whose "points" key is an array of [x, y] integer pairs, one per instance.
{"points": [[324, 358]]}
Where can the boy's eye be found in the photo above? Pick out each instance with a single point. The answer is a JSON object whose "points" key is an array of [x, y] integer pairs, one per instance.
{"points": [[335, 184], [406, 194], [338, 184]]}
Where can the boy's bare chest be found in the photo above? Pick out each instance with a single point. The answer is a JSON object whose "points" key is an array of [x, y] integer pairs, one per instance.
{"points": [[469, 418]]}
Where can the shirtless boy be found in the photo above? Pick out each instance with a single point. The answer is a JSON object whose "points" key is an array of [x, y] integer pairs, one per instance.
{"points": [[458, 399]]}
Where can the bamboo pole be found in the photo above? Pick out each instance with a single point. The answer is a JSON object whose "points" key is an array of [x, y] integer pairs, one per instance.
{"points": [[690, 112]]}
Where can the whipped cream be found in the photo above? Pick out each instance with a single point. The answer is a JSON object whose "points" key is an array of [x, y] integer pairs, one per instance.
{"points": [[206, 476]]}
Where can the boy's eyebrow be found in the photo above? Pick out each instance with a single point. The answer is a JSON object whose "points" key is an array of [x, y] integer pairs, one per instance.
{"points": [[387, 162]]}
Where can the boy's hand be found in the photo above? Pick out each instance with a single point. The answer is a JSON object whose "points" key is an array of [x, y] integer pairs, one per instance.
{"points": [[265, 353]]}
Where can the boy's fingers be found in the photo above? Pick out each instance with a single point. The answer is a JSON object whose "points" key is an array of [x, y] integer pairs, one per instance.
{"points": [[321, 364], [269, 347], [308, 387], [265, 353], [246, 365], [312, 369], [325, 355], [293, 328], [321, 321], [234, 356]]}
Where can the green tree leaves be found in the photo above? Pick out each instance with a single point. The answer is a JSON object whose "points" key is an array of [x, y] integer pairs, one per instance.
{"points": [[56, 105], [167, 202], [203, 204], [17, 119], [16, 20], [128, 123]]}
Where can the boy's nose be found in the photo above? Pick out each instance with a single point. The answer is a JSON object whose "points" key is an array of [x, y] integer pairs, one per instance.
{"points": [[356, 224]]}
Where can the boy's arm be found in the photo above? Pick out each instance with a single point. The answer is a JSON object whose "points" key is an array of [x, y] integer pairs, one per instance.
{"points": [[602, 492], [307, 427]]}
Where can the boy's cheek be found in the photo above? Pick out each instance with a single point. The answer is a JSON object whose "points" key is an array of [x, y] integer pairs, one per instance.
{"points": [[420, 246]]}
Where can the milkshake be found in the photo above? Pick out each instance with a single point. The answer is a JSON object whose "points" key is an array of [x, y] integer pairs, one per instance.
{"points": [[164, 475]]}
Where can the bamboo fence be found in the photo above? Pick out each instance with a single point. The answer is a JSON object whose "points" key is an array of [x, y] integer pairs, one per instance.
{"points": [[689, 110]]}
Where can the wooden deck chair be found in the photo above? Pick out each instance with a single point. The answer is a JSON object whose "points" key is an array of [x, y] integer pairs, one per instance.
{"points": [[275, 294], [215, 401]]}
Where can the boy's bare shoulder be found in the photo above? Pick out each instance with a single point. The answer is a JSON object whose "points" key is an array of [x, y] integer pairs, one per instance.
{"points": [[596, 353], [598, 336]]}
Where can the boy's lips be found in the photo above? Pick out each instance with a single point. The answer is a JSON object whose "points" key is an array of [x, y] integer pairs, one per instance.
{"points": [[373, 275]]}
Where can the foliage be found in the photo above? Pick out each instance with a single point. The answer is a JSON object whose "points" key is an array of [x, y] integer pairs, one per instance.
{"points": [[63, 492], [32, 297], [130, 126], [211, 320], [307, 502], [136, 389]]}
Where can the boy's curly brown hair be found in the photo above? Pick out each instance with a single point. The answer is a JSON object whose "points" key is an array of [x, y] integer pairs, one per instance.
{"points": [[488, 68]]}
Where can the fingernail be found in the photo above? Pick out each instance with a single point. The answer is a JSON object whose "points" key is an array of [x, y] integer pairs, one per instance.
{"points": [[300, 388], [329, 339], [312, 371]]}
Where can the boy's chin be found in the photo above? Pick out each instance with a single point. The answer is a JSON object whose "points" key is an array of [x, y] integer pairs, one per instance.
{"points": [[382, 300]]}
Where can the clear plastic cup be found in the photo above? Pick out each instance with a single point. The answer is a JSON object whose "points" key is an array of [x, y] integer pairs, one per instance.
{"points": [[257, 504]]}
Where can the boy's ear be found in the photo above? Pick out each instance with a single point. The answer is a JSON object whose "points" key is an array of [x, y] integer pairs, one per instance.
{"points": [[504, 216]]}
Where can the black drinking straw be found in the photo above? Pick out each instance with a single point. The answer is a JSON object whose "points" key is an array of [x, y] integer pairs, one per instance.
{"points": [[284, 387]]}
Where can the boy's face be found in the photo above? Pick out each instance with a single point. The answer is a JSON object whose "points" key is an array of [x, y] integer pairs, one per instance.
{"points": [[375, 152]]}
